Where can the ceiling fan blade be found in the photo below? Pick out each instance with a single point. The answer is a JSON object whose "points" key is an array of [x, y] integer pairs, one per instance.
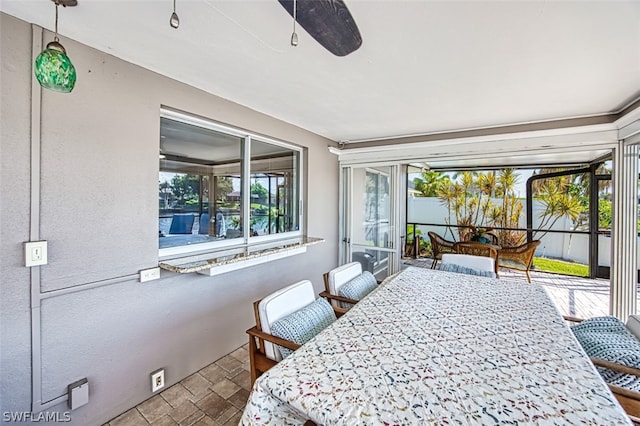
{"points": [[329, 22]]}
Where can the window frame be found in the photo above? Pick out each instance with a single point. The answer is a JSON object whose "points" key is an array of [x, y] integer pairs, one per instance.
{"points": [[246, 240]]}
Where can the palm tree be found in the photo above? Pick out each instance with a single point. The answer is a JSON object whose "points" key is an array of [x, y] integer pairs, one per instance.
{"points": [[487, 183], [431, 183], [557, 203]]}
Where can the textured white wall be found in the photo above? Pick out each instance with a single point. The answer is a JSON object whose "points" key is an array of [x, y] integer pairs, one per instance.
{"points": [[98, 211], [15, 106]]}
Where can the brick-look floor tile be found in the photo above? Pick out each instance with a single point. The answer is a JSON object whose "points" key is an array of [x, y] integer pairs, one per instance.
{"points": [[239, 399], [153, 408], [213, 372], [205, 421], [129, 418], [197, 385], [182, 412], [242, 379], [234, 420], [226, 415], [192, 419], [176, 395], [225, 388], [241, 354], [229, 363], [165, 420], [213, 405]]}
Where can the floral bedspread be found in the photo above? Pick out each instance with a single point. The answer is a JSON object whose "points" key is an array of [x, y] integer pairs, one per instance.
{"points": [[440, 348]]}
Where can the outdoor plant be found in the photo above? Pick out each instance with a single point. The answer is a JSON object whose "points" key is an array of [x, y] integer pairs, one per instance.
{"points": [[488, 199], [484, 200]]}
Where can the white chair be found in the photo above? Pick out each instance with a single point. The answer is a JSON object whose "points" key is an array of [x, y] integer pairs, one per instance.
{"points": [[336, 278], [480, 263], [633, 324], [628, 399], [294, 301]]}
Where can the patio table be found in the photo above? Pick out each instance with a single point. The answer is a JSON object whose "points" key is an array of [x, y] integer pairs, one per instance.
{"points": [[434, 347]]}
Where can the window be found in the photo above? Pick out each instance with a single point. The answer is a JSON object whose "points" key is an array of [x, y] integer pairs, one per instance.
{"points": [[213, 180]]}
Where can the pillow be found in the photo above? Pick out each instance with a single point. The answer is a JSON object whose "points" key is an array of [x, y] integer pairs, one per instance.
{"points": [[453, 267], [608, 339], [303, 324], [358, 287]]}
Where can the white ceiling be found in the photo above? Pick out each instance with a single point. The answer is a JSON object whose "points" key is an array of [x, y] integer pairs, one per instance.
{"points": [[424, 66]]}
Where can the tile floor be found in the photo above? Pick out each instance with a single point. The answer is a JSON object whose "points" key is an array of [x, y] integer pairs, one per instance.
{"points": [[215, 395]]}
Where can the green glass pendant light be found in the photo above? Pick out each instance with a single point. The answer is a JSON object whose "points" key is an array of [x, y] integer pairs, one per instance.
{"points": [[53, 68]]}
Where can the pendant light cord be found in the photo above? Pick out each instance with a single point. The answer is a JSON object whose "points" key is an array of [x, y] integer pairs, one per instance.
{"points": [[295, 10], [294, 36], [55, 36]]}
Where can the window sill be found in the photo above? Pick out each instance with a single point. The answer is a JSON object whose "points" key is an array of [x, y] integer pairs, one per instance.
{"points": [[232, 259]]}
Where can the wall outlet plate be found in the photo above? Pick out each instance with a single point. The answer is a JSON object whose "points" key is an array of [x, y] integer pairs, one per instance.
{"points": [[157, 380], [35, 253], [78, 394], [149, 274]]}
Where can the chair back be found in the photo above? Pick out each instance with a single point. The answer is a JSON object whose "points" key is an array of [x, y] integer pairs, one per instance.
{"points": [[521, 254], [520, 257], [336, 278], [439, 246], [204, 224], [278, 305], [481, 263], [476, 248], [181, 223]]}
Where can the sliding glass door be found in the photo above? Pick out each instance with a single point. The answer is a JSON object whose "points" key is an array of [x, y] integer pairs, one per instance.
{"points": [[369, 229]]}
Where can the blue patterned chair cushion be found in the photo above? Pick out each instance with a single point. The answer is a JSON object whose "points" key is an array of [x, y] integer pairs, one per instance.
{"points": [[301, 325], [452, 267], [608, 339], [358, 287]]}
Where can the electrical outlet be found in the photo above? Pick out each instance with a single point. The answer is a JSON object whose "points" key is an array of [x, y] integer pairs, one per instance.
{"points": [[149, 274], [157, 380], [35, 253]]}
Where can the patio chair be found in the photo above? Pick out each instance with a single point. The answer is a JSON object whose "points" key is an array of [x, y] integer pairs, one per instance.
{"points": [[366, 260], [204, 224], [181, 223], [285, 320], [621, 374], [468, 264], [439, 246], [347, 284], [518, 258], [475, 248]]}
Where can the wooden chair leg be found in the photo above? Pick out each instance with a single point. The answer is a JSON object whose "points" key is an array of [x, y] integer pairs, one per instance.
{"points": [[252, 359], [528, 276], [434, 263]]}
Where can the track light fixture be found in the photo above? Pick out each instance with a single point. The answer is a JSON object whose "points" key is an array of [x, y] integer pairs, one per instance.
{"points": [[53, 68]]}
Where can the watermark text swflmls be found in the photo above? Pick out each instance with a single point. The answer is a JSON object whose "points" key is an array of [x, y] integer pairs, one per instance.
{"points": [[44, 416]]}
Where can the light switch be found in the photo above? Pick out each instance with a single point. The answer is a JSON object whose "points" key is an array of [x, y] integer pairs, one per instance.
{"points": [[78, 394], [35, 253]]}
